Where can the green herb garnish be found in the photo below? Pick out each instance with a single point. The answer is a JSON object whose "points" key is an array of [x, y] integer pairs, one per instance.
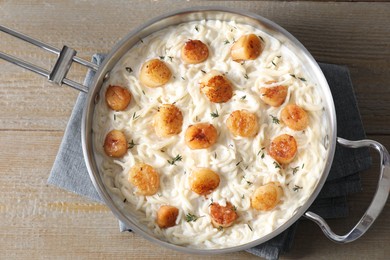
{"points": [[174, 160], [277, 165], [191, 217], [295, 170], [129, 70], [275, 120], [297, 188], [131, 144], [214, 114]]}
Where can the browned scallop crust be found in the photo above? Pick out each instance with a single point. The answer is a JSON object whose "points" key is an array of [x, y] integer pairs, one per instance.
{"points": [[216, 87], [283, 148], [267, 197], [154, 73], [223, 216], [145, 178], [203, 181], [294, 117], [166, 216], [247, 47], [200, 136], [194, 51], [242, 123], [168, 121], [117, 97], [274, 96], [115, 144]]}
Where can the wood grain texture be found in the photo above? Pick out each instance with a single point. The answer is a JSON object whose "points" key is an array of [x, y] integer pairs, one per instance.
{"points": [[42, 221]]}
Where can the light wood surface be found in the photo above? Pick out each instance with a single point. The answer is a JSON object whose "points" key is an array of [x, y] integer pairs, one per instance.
{"points": [[42, 221]]}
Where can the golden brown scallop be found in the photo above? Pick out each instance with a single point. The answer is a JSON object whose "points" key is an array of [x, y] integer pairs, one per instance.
{"points": [[200, 136], [145, 178], [203, 181], [216, 87], [168, 121], [117, 98], [115, 144], [242, 123], [223, 216], [283, 148], [154, 73], [266, 197], [247, 47], [194, 51], [273, 96], [294, 117], [166, 216]]}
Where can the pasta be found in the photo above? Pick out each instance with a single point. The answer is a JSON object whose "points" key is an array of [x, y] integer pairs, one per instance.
{"points": [[243, 163]]}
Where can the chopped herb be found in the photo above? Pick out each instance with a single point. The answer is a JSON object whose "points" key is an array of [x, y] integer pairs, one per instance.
{"points": [[278, 57], [215, 155], [243, 197], [114, 117], [293, 75], [135, 116], [277, 165], [131, 144], [243, 97], [214, 114], [124, 201], [297, 188], [262, 148], [220, 228], [246, 76], [273, 63], [170, 58], [261, 38], [275, 120], [203, 71], [191, 217], [196, 118], [196, 28], [162, 150], [246, 168], [303, 79], [226, 42], [183, 78], [249, 182], [159, 194], [162, 57], [234, 208], [250, 227], [262, 156], [143, 92], [141, 40], [303, 165], [295, 170], [231, 145], [176, 159], [238, 163], [129, 70]]}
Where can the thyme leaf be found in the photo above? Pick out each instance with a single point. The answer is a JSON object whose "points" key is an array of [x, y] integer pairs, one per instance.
{"points": [[261, 38], [303, 79], [275, 120], [250, 227], [246, 76], [277, 165], [191, 217], [196, 28], [174, 160], [226, 42], [131, 144], [297, 188], [243, 97], [135, 116], [295, 170], [214, 114], [162, 57], [129, 70]]}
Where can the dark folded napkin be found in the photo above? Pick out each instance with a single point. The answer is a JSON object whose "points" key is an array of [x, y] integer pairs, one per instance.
{"points": [[69, 171]]}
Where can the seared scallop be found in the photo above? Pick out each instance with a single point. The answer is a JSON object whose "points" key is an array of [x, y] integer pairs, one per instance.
{"points": [[273, 96], [166, 216], [294, 117], [117, 97], [203, 181], [266, 197], [168, 121], [145, 178], [283, 148], [194, 51], [200, 136], [223, 216], [216, 87], [154, 73], [115, 144], [242, 123], [247, 47]]}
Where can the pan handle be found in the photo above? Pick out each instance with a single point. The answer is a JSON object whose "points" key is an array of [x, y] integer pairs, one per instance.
{"points": [[66, 56], [377, 203]]}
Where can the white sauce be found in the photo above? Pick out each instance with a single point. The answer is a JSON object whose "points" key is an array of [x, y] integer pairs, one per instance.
{"points": [[242, 163]]}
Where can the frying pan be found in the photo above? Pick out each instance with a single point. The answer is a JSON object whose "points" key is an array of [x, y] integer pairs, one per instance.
{"points": [[66, 56]]}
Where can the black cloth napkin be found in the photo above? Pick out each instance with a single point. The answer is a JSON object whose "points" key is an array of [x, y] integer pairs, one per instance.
{"points": [[69, 171]]}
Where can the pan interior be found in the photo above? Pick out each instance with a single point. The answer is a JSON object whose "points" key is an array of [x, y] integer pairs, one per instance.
{"points": [[93, 159]]}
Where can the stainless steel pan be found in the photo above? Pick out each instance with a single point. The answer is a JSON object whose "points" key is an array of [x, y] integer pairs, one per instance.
{"points": [[66, 56]]}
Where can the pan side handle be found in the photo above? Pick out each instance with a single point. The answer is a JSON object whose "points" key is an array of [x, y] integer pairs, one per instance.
{"points": [[65, 57], [377, 203]]}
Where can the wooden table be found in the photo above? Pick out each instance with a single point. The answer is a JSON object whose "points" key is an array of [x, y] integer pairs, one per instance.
{"points": [[42, 221]]}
